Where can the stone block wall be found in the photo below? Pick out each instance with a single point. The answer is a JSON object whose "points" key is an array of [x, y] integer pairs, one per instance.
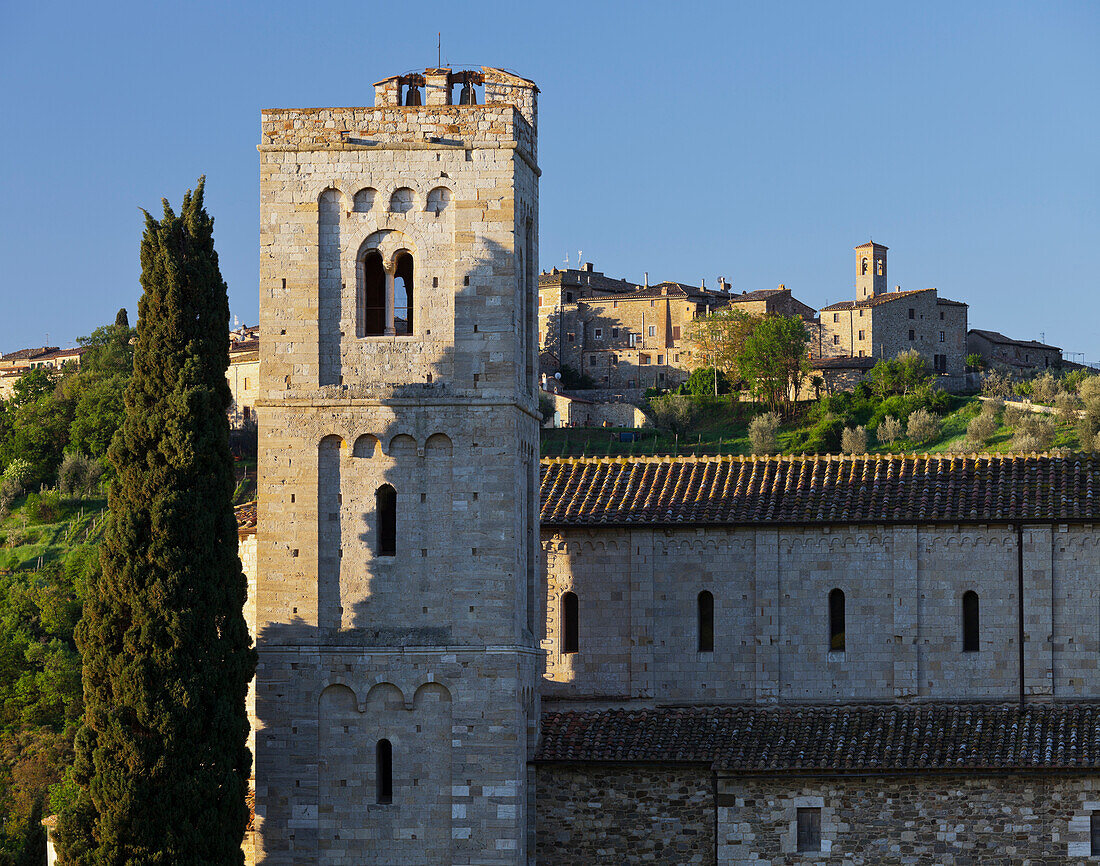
{"points": [[591, 815], [638, 616], [943, 819]]}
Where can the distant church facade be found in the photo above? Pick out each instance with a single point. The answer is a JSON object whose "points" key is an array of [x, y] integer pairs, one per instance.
{"points": [[466, 657]]}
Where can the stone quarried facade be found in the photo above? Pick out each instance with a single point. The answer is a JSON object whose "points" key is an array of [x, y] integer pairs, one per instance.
{"points": [[420, 637], [634, 813], [682, 813]]}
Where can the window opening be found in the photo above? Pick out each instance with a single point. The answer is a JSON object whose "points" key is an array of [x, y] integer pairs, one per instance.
{"points": [[863, 267], [383, 771], [971, 639], [706, 622], [1094, 834], [570, 632], [836, 621], [374, 295], [809, 829], [385, 507], [403, 295]]}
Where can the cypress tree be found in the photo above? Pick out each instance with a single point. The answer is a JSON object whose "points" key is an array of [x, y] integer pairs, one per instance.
{"points": [[162, 761]]}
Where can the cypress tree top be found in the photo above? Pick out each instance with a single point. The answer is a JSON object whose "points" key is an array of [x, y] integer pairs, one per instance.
{"points": [[162, 757]]}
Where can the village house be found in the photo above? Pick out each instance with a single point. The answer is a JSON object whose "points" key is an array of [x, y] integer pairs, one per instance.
{"points": [[1021, 355]]}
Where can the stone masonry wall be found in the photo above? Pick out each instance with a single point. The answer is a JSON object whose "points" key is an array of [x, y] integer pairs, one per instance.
{"points": [[638, 594], [949, 820], [590, 815]]}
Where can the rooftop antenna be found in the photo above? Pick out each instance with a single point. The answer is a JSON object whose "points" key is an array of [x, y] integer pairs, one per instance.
{"points": [[580, 258], [438, 49]]}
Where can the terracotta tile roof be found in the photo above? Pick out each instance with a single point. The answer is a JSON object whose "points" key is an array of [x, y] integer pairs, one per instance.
{"points": [[756, 295], [902, 738], [872, 244], [974, 488], [876, 301], [27, 354], [246, 518]]}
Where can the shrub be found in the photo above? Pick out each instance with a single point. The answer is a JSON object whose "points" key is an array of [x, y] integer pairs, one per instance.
{"points": [[824, 436], [996, 384], [1034, 433], [673, 414], [854, 440], [701, 382], [1044, 388], [981, 429], [19, 472], [889, 431], [975, 362], [78, 474], [44, 508], [1013, 415], [1066, 404], [762, 430], [922, 426]]}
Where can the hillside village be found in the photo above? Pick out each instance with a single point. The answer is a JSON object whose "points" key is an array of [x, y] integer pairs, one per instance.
{"points": [[815, 642]]}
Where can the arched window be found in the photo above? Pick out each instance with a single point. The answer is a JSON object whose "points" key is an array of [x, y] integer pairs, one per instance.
{"points": [[385, 508], [706, 622], [403, 295], [863, 266], [374, 296], [383, 772], [569, 623], [971, 641], [836, 621], [881, 267]]}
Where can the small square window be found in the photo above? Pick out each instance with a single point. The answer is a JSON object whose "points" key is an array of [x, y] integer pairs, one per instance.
{"points": [[599, 333], [912, 313], [836, 317], [809, 829], [861, 335], [836, 339], [941, 315], [573, 337], [1094, 834], [653, 330], [660, 359], [614, 333], [912, 335]]}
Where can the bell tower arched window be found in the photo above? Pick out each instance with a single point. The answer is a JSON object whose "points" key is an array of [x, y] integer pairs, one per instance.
{"points": [[373, 321], [836, 621], [403, 295], [385, 509], [863, 266], [706, 622]]}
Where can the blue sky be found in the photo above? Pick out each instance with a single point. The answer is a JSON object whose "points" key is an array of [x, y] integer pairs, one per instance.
{"points": [[757, 141]]}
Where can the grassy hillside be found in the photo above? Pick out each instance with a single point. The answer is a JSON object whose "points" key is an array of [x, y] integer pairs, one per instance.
{"points": [[722, 427]]}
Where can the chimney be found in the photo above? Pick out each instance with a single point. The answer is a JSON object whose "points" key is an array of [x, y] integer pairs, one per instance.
{"points": [[703, 284], [588, 267], [647, 279], [722, 284], [897, 288]]}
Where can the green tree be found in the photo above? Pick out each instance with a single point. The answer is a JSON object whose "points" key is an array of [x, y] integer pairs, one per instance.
{"points": [[706, 382], [903, 374], [161, 760], [774, 361], [717, 339]]}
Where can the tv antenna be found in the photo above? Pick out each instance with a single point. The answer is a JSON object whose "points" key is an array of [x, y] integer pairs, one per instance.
{"points": [[438, 49]]}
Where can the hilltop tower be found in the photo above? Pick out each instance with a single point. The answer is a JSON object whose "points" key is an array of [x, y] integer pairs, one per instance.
{"points": [[870, 270], [398, 502]]}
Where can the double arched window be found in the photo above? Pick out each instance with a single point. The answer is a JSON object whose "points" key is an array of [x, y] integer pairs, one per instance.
{"points": [[386, 300]]}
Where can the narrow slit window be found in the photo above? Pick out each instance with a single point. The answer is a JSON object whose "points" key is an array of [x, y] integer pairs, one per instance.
{"points": [[570, 632], [383, 772], [706, 622], [836, 621], [971, 638], [385, 508]]}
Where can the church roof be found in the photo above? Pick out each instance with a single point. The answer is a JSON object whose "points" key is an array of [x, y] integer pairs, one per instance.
{"points": [[872, 244], [727, 490], [875, 300], [852, 738]]}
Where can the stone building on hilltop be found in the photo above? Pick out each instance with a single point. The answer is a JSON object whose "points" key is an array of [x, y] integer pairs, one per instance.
{"points": [[863, 659], [1020, 355], [879, 324]]}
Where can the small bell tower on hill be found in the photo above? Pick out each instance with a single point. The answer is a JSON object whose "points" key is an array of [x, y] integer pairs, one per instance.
{"points": [[870, 270]]}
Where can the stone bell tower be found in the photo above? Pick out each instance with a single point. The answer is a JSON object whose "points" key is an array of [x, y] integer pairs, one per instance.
{"points": [[870, 270], [398, 503]]}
